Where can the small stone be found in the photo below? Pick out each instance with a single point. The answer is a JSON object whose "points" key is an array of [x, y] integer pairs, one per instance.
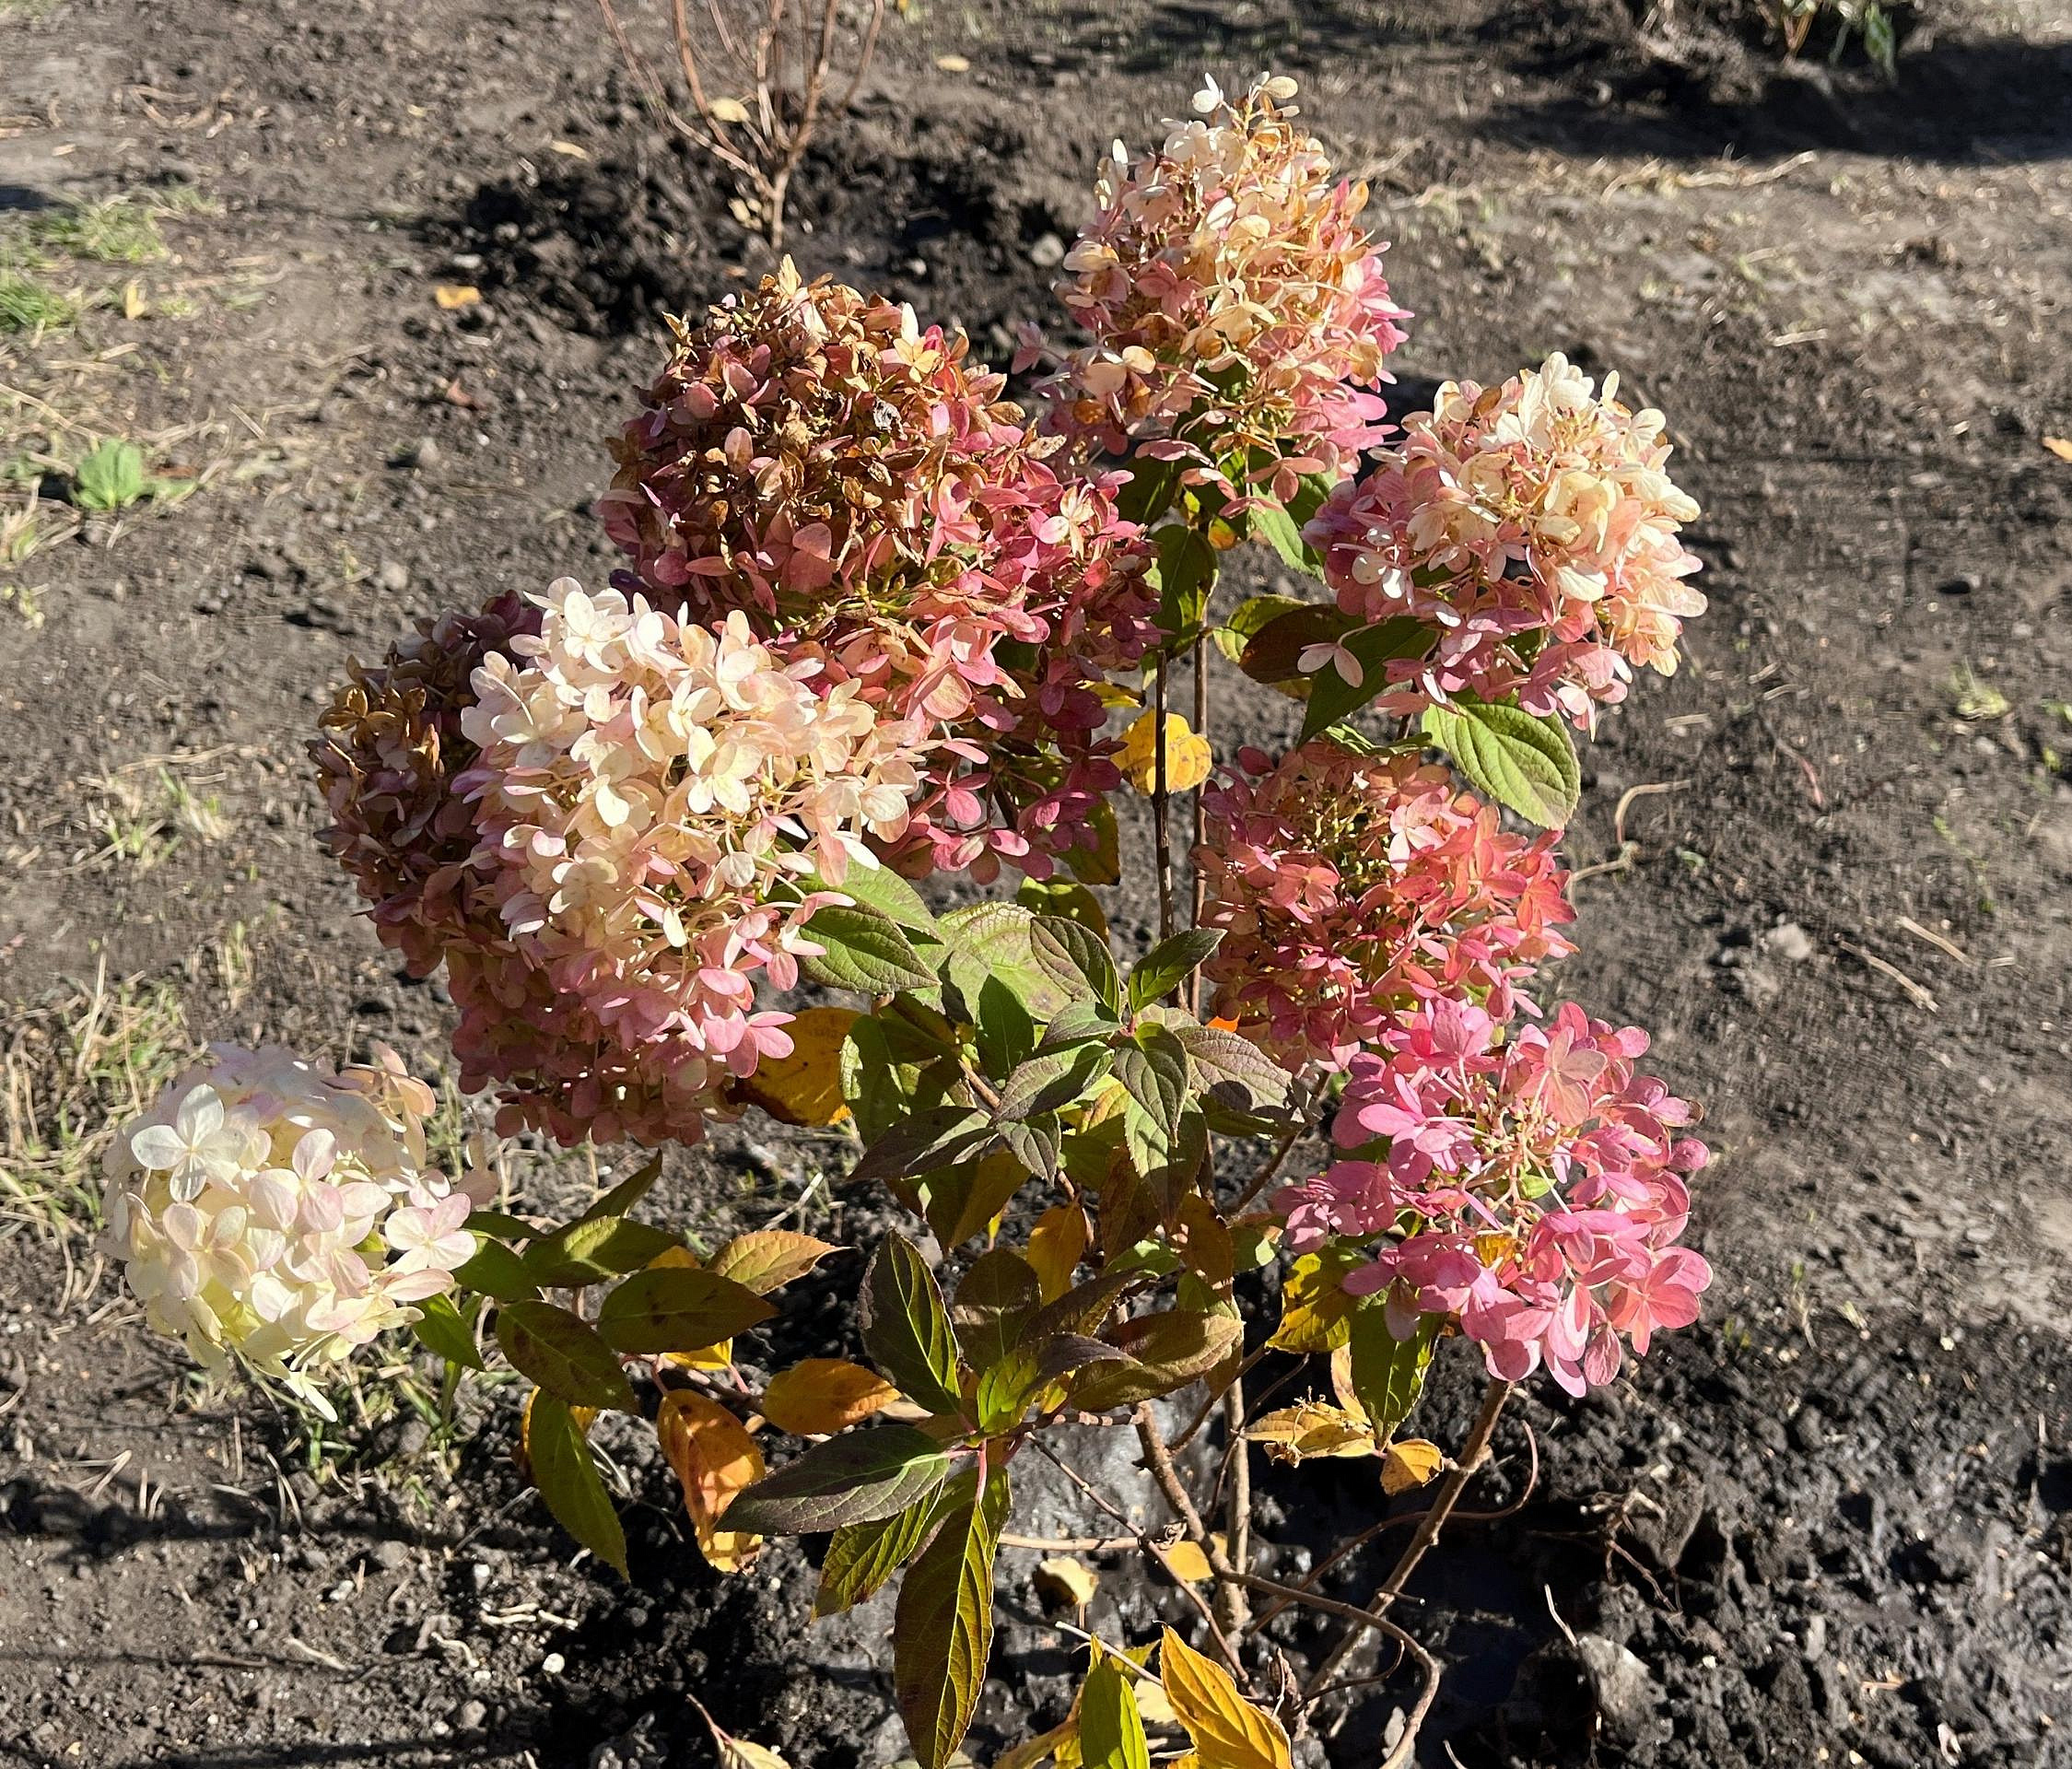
{"points": [[1625, 1695], [1815, 1637], [394, 577], [553, 1663], [391, 1555], [1048, 253], [469, 1717], [1809, 1429], [1964, 584], [916, 267], [421, 455], [1789, 942]]}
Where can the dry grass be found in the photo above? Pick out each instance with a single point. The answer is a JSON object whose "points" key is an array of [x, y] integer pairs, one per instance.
{"points": [[76, 1064]]}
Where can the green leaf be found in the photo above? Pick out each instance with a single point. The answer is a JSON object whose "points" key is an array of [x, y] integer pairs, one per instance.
{"points": [[1149, 492], [1006, 1389], [890, 1070], [563, 1354], [1282, 531], [960, 1200], [1506, 754], [863, 1556], [442, 1329], [593, 1248], [1111, 1730], [1052, 1079], [677, 1308], [1332, 698], [1065, 900], [1082, 1307], [1234, 1071], [1074, 955], [939, 1137], [495, 1271], [1101, 862], [569, 1481], [1316, 1313], [1152, 1068], [1184, 574], [992, 1306], [997, 940], [942, 1628], [905, 1329], [111, 476], [1163, 1351], [858, 1477], [1032, 1142], [1387, 1372], [866, 952], [1169, 964], [1006, 1033], [880, 888], [1252, 615], [1275, 649], [626, 1193]]}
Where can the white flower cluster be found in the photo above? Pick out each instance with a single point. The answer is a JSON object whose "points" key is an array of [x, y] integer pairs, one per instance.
{"points": [[269, 1207]]}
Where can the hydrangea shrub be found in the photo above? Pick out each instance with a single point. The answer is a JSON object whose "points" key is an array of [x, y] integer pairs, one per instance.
{"points": [[873, 625]]}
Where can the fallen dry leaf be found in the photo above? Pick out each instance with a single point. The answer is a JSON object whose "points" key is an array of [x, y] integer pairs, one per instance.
{"points": [[452, 294]]}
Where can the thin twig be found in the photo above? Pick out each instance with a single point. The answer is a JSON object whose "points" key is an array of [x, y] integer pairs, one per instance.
{"points": [[1474, 1454], [1161, 803], [1264, 1176], [1199, 877], [1918, 995], [1234, 1611]]}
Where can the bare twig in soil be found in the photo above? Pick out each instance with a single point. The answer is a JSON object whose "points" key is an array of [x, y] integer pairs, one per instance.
{"points": [[1626, 804], [1919, 996], [783, 66], [1941, 942], [1473, 1453]]}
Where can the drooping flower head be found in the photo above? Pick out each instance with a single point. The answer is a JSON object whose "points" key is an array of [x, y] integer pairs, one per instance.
{"points": [[1235, 301], [1534, 527], [657, 798], [389, 746], [270, 1209], [1533, 1188], [816, 460], [1350, 888]]}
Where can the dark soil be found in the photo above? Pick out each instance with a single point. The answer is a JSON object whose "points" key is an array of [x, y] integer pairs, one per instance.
{"points": [[1827, 1525]]}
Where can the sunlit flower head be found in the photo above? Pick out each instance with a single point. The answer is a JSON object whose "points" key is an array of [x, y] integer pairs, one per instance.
{"points": [[1534, 528], [268, 1209], [1236, 304], [1524, 1181], [1350, 888]]}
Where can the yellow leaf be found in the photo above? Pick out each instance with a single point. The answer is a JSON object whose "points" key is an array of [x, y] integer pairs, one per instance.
{"points": [[1056, 1243], [1316, 1313], [134, 306], [584, 1417], [823, 1395], [710, 1357], [1187, 757], [1410, 1463], [1341, 1382], [953, 64], [1228, 1731], [1186, 1561], [738, 1753], [2059, 446], [767, 1258], [1053, 1743], [1313, 1429], [714, 1459], [1068, 1580], [806, 1086], [569, 150], [728, 111], [452, 294]]}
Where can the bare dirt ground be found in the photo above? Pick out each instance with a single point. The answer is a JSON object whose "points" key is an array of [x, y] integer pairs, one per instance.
{"points": [[1831, 1523]]}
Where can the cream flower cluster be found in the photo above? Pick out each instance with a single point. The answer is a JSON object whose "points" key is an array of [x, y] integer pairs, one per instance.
{"points": [[269, 1209], [657, 796], [1534, 527], [1233, 299]]}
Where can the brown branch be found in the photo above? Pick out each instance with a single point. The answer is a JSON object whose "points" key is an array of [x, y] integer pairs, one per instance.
{"points": [[1474, 1452], [1199, 879], [1238, 1508], [1194, 1425], [1161, 803]]}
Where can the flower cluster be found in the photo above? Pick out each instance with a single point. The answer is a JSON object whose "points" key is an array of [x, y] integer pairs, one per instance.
{"points": [[269, 1209], [1235, 301], [1531, 1184], [814, 459], [657, 797], [390, 746], [1533, 528], [1353, 887]]}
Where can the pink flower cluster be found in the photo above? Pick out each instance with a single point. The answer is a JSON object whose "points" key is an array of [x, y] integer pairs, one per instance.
{"points": [[815, 459], [1235, 303], [1533, 528], [1524, 1181], [1353, 888]]}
